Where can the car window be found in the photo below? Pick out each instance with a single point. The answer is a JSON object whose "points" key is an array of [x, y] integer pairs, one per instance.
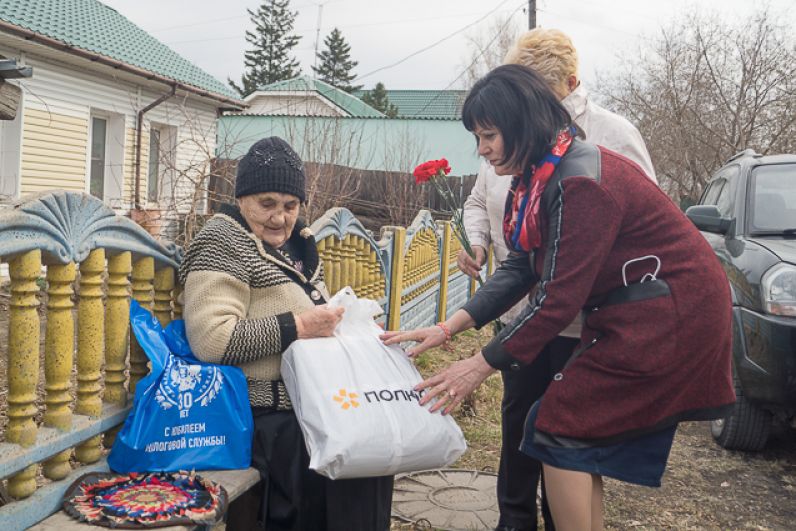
{"points": [[726, 198], [712, 192], [773, 198]]}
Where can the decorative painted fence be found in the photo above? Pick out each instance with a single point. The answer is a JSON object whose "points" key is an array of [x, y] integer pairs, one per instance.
{"points": [[64, 406]]}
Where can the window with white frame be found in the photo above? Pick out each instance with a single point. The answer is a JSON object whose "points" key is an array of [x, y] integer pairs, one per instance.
{"points": [[153, 175], [99, 140], [106, 157], [162, 139], [10, 155]]}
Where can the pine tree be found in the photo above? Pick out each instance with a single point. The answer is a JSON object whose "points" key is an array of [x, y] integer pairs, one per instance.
{"points": [[336, 64], [377, 98], [269, 59]]}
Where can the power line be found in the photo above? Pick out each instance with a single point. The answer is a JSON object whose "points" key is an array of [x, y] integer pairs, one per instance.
{"points": [[306, 32], [426, 48], [477, 57]]}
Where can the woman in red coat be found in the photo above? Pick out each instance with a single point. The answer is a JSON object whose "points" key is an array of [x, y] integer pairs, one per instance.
{"points": [[590, 233]]}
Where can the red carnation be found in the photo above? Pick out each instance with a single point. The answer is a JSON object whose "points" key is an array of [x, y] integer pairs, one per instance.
{"points": [[431, 168]]}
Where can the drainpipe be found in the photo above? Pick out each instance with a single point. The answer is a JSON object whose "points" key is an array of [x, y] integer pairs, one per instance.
{"points": [[138, 131]]}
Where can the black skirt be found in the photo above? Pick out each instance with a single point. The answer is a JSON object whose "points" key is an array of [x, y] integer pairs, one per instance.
{"points": [[291, 497]]}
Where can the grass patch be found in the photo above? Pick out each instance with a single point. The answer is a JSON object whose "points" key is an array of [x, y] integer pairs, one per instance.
{"points": [[479, 414]]}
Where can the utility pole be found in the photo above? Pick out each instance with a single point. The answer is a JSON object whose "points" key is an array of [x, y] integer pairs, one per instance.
{"points": [[318, 35], [531, 14]]}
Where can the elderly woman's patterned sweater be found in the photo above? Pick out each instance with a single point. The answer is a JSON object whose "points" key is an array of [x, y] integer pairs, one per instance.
{"points": [[241, 300]]}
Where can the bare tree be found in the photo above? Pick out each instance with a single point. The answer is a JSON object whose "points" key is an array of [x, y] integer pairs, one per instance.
{"points": [[705, 89], [487, 47], [332, 151]]}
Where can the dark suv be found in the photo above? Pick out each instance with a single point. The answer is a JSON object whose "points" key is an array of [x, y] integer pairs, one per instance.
{"points": [[748, 215]]}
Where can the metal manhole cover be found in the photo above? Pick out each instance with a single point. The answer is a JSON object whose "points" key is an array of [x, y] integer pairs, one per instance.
{"points": [[449, 499]]}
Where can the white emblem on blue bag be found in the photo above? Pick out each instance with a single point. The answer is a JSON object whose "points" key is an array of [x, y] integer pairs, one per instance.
{"points": [[185, 384]]}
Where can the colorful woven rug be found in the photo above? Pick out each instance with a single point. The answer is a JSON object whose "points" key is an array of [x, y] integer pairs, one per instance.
{"points": [[137, 501]]}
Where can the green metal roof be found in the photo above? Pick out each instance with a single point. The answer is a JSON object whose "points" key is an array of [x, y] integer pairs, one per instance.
{"points": [[95, 27], [433, 104], [352, 105]]}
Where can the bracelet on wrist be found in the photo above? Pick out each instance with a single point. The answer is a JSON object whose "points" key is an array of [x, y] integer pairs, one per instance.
{"points": [[446, 330]]}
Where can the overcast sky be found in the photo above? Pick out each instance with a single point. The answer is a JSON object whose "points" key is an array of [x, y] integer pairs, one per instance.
{"points": [[210, 33]]}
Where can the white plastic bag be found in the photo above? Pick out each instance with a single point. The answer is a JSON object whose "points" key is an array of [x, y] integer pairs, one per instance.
{"points": [[354, 400]]}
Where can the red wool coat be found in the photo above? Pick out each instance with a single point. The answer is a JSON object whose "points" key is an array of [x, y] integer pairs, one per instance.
{"points": [[651, 354]]}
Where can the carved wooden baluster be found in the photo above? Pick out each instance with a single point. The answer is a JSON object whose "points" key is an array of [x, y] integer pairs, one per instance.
{"points": [[90, 348], [59, 345], [117, 331], [143, 275], [23, 363], [164, 284]]}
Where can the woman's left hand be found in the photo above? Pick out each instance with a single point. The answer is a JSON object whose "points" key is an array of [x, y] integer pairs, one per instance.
{"points": [[451, 385]]}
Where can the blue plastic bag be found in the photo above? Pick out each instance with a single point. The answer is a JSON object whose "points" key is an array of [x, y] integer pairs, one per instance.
{"points": [[187, 414]]}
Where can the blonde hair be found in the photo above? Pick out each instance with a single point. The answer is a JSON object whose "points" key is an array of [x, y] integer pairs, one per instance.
{"points": [[548, 51]]}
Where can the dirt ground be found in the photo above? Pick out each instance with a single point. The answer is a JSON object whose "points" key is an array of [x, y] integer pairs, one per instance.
{"points": [[705, 487]]}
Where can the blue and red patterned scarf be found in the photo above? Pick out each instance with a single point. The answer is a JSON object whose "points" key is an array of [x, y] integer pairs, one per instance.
{"points": [[521, 224]]}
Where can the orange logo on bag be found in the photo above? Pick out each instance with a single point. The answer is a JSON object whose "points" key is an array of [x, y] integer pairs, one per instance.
{"points": [[347, 400]]}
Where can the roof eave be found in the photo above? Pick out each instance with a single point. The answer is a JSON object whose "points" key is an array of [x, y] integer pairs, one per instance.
{"points": [[30, 35]]}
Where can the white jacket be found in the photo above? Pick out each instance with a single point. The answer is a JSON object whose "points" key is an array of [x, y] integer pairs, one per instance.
{"points": [[483, 210]]}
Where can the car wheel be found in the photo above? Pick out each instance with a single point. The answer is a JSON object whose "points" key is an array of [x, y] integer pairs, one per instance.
{"points": [[746, 426]]}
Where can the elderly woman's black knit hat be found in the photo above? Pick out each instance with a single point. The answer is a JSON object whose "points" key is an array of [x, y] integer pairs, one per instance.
{"points": [[270, 165]]}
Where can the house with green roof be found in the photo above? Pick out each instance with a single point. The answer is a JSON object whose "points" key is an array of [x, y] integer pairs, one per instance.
{"points": [[329, 126], [109, 110], [426, 104], [305, 96]]}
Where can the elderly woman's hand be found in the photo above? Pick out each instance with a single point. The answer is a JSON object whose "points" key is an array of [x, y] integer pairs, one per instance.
{"points": [[320, 321], [451, 385], [429, 337]]}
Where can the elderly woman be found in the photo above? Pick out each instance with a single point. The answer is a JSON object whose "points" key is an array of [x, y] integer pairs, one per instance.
{"points": [[589, 232], [253, 285]]}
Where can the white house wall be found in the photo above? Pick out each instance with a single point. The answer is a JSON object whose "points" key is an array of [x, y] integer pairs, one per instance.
{"points": [[59, 101], [293, 104]]}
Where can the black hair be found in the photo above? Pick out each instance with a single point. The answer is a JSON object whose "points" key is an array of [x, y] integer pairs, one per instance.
{"points": [[518, 102]]}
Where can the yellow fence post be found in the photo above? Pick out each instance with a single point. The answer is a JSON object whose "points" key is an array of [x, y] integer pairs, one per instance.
{"points": [[164, 284], [117, 330], [59, 345], [143, 275], [444, 268], [397, 279], [23, 363], [90, 347]]}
